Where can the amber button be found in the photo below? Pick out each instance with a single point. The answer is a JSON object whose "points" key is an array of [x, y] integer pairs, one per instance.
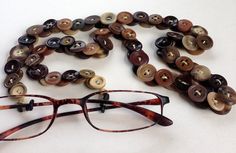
{"points": [[102, 31], [116, 28], [170, 54], [12, 66], [216, 81], [92, 20], [171, 22], [77, 24], [183, 82], [67, 41], [204, 42], [198, 30], [35, 30], [163, 42], [91, 49], [164, 77], [108, 18], [11, 80], [227, 94], [27, 40], [37, 72], [105, 43], [129, 34], [190, 43], [184, 63], [197, 93], [18, 89], [19, 52], [53, 78], [34, 59], [53, 43], [96, 82], [184, 25], [201, 73], [87, 74], [78, 46], [217, 105], [70, 75], [146, 72], [125, 18], [42, 50], [141, 17], [64, 24], [49, 24], [155, 19], [138, 58]]}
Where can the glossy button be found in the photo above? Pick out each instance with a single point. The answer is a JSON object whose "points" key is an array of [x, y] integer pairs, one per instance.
{"points": [[125, 18], [204, 42], [35, 30], [198, 30], [163, 42], [184, 63], [102, 31], [133, 45], [138, 58], [141, 17], [184, 25], [33, 59], [11, 80], [77, 24], [197, 93], [170, 54], [49, 24], [216, 81], [217, 105], [190, 43], [70, 75], [42, 50], [92, 20], [19, 52], [78, 46], [91, 49], [96, 82], [164, 77], [177, 37], [171, 21], [67, 41], [155, 19], [108, 18], [105, 43], [64, 24], [227, 94], [37, 72], [12, 66], [116, 28], [87, 74], [201, 73], [27, 40], [183, 82], [53, 78], [146, 72], [53, 43], [18, 89], [128, 34]]}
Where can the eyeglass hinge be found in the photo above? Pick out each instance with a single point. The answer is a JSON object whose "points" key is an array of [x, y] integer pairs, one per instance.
{"points": [[105, 97]]}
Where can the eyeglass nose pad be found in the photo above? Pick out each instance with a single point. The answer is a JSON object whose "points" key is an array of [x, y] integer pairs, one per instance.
{"points": [[165, 100], [105, 97]]}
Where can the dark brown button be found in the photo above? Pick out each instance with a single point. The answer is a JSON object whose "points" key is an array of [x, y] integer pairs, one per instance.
{"points": [[19, 52], [34, 59], [184, 63], [198, 30], [87, 74], [190, 43], [164, 78], [27, 40], [102, 31], [227, 95], [138, 58], [45, 34], [91, 49], [77, 24], [78, 46], [35, 30], [201, 73], [217, 105], [128, 34], [53, 43], [67, 41], [70, 75], [171, 22], [37, 72], [170, 54], [11, 80], [12, 66], [105, 43], [163, 42], [141, 17], [116, 28], [155, 19], [204, 42], [53, 78], [92, 20], [125, 17], [64, 24], [184, 25], [216, 81], [183, 82], [197, 93], [133, 45], [62, 83], [177, 37], [146, 72], [42, 50], [108, 18]]}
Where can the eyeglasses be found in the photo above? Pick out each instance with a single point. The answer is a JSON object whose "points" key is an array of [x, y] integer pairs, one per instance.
{"points": [[106, 111]]}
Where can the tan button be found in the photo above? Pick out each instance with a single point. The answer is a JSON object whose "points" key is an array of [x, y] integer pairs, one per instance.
{"points": [[91, 49], [125, 17], [11, 80], [201, 73], [146, 72], [53, 78], [198, 30], [217, 105], [97, 82], [164, 77], [19, 52], [184, 63], [190, 43], [64, 24], [18, 89], [204, 42], [108, 18], [87, 74], [128, 34], [35, 30], [155, 19]]}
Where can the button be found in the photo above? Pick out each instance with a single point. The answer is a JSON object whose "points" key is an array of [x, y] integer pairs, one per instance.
{"points": [[78, 46], [184, 63], [145, 25], [42, 50], [217, 105], [116, 28], [96, 82], [105, 43], [19, 52], [108, 18], [50, 24], [216, 81], [62, 83], [141, 17], [70, 75], [35, 30], [183, 82], [184, 25], [18, 89], [190, 43], [155, 19], [70, 32], [67, 41], [87, 74], [91, 49], [27, 40], [138, 58], [128, 34], [53, 43], [177, 37], [125, 18], [198, 30], [201, 73], [197, 93], [37, 72], [11, 80], [43, 82], [171, 22], [12, 66], [34, 59], [163, 42], [53, 78], [81, 55], [204, 42], [101, 53], [77, 24], [133, 45], [170, 54], [164, 78], [45, 34], [102, 31], [146, 72], [64, 24], [87, 27], [227, 95], [162, 26], [92, 20]]}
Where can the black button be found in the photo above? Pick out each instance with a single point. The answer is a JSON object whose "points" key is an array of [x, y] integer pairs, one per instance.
{"points": [[37, 72], [216, 81], [70, 75], [53, 43], [163, 42], [78, 24], [49, 24], [171, 22], [27, 40], [12, 66]]}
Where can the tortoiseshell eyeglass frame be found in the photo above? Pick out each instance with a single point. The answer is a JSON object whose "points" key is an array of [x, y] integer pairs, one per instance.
{"points": [[156, 118]]}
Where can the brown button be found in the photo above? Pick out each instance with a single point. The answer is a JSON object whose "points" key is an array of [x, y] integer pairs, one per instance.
{"points": [[146, 72], [116, 28], [64, 24], [19, 52], [102, 31], [91, 49], [18, 89], [45, 34], [43, 82], [78, 46], [196, 52], [197, 93], [128, 34], [11, 80], [12, 66], [34, 59], [67, 41], [227, 95], [35, 30], [133, 45], [37, 72], [53, 78], [170, 54], [184, 25], [108, 18], [184, 63], [141, 17], [101, 53], [164, 77], [217, 105], [155, 19], [96, 82], [42, 50], [125, 18], [70, 32], [138, 58], [145, 25], [87, 74], [104, 42], [204, 42], [201, 73], [92, 20], [198, 30], [190, 43]]}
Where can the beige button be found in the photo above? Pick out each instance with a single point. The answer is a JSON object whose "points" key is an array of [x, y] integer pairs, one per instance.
{"points": [[91, 49], [97, 82], [146, 72], [201, 73], [18, 89], [87, 74], [190, 43], [19, 52], [108, 18], [198, 30]]}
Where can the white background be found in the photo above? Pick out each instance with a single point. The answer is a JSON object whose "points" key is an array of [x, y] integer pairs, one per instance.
{"points": [[194, 130]]}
